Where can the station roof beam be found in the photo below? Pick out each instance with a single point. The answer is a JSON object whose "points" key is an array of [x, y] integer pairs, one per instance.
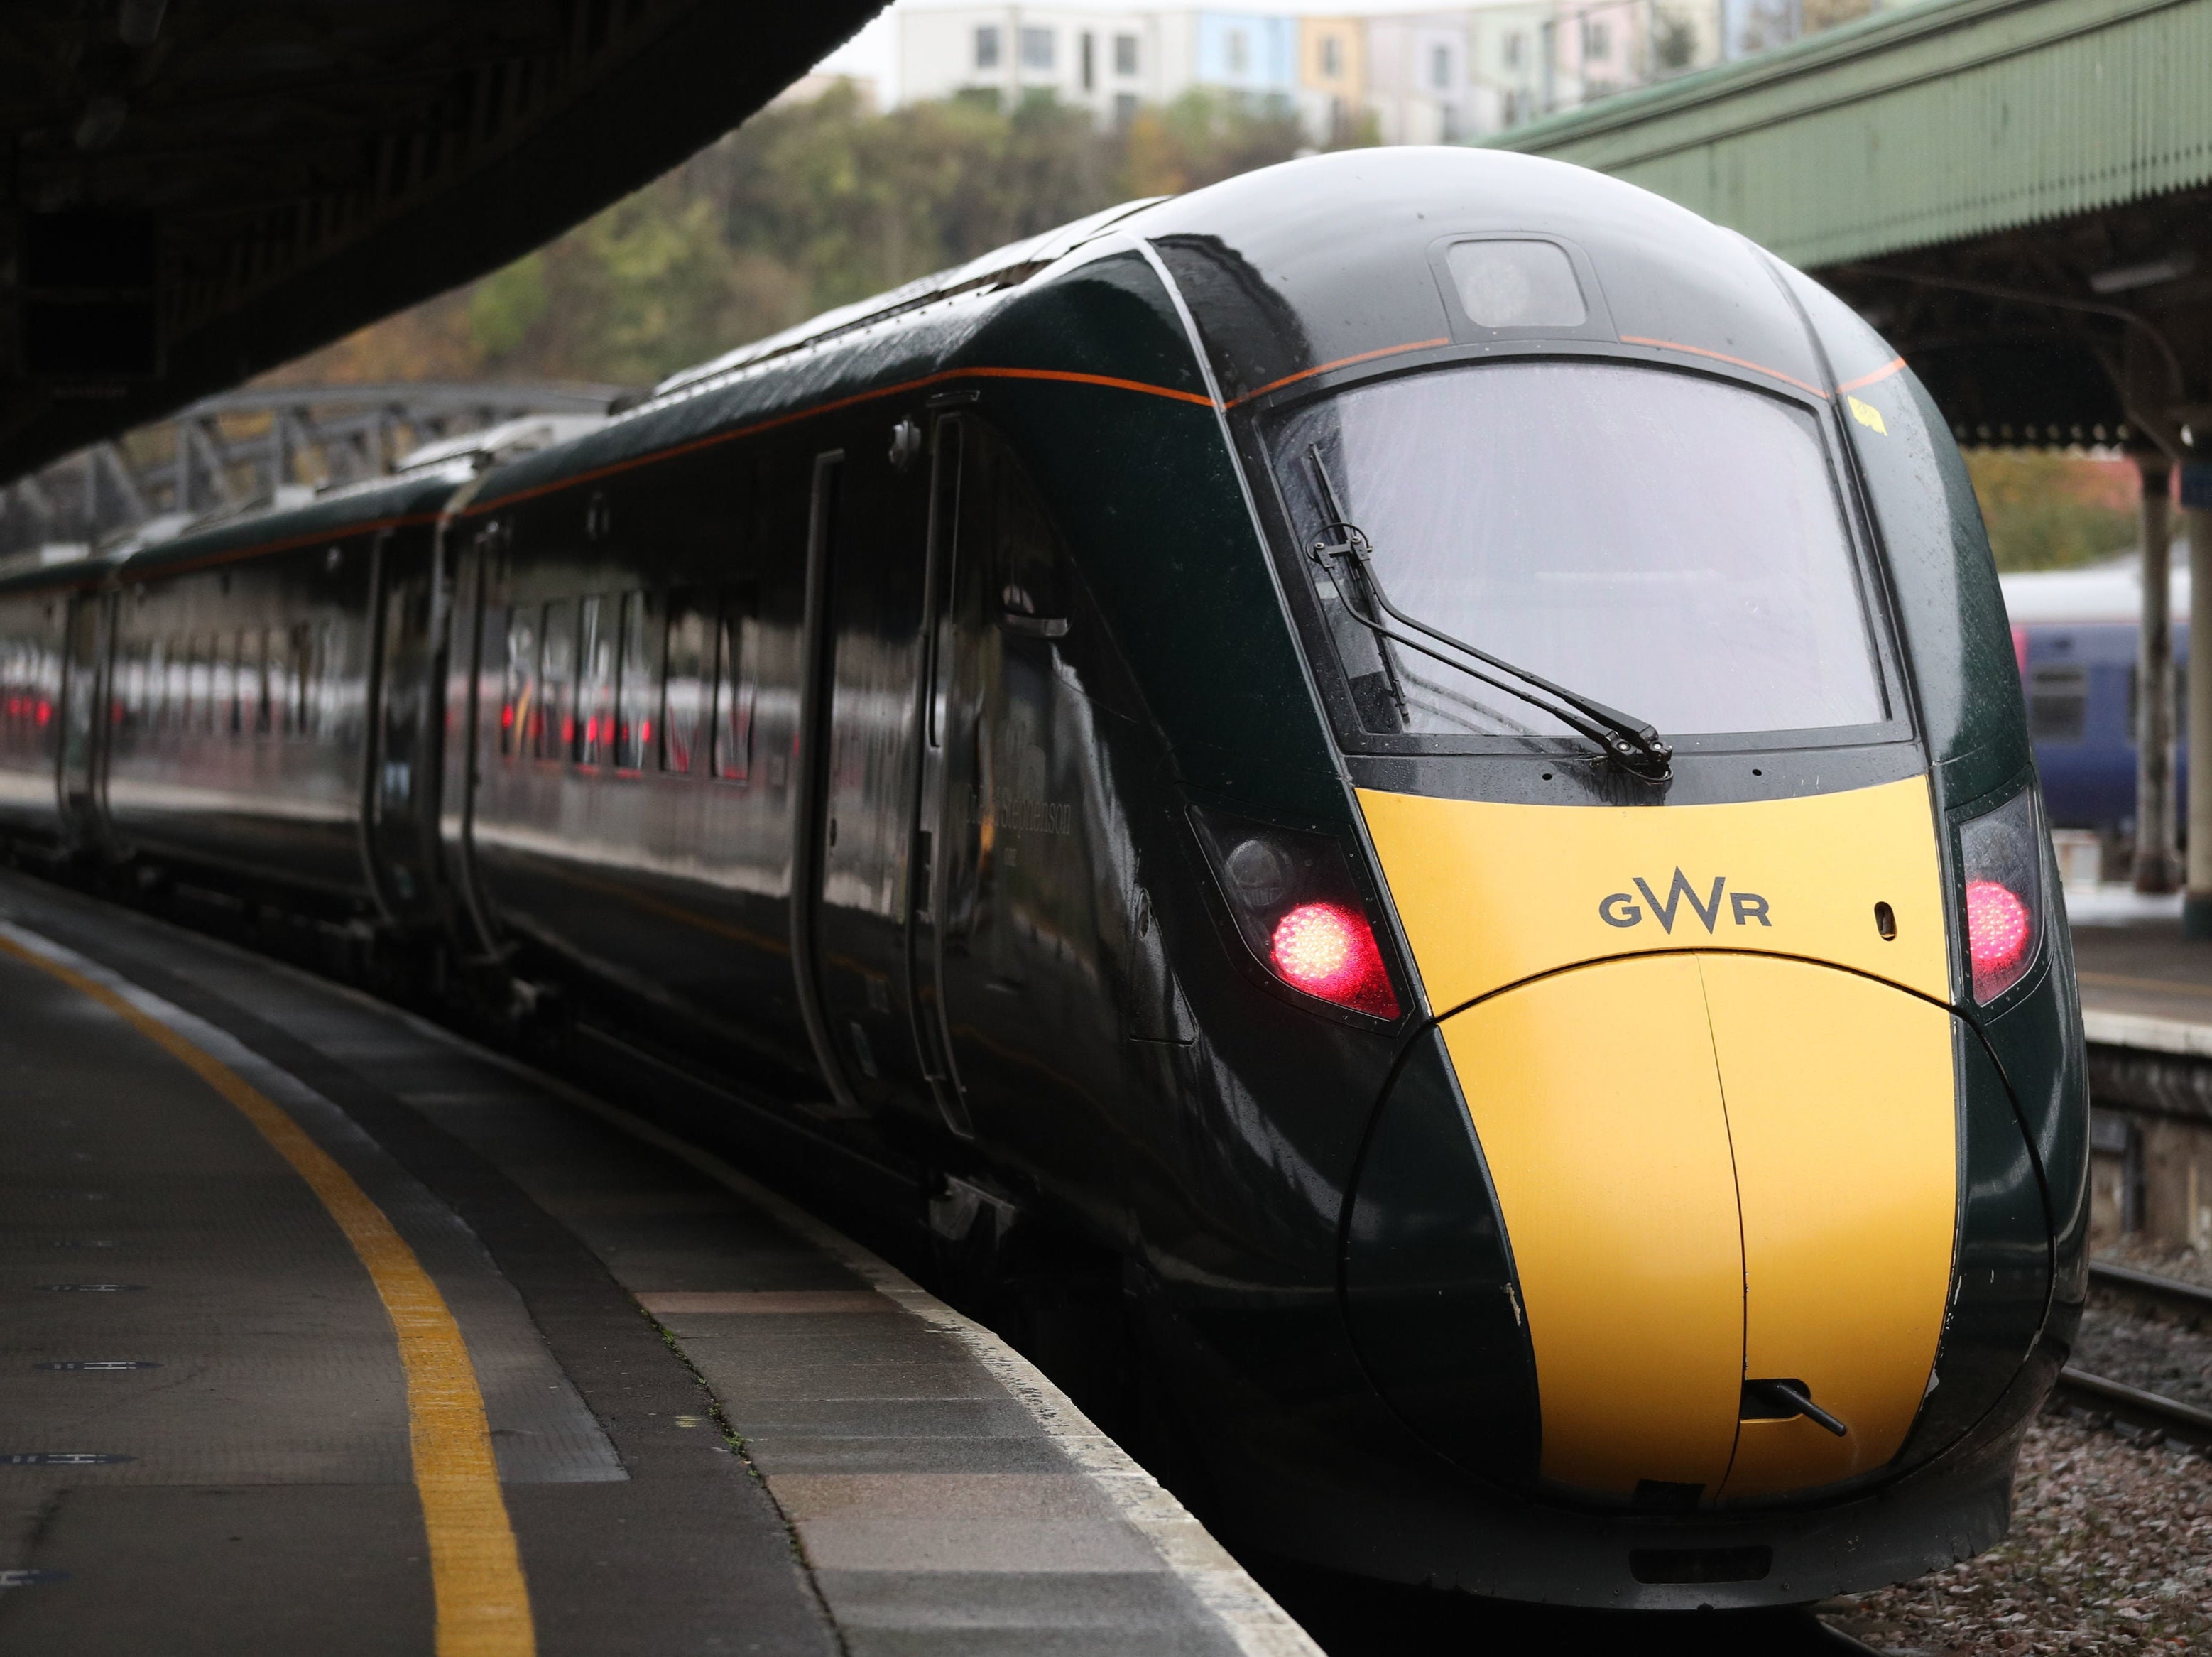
{"points": [[201, 190]]}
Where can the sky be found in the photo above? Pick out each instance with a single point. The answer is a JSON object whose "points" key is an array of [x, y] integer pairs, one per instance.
{"points": [[873, 53]]}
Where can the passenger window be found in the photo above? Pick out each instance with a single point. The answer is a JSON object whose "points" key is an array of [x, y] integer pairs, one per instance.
{"points": [[736, 678], [157, 684], [199, 696], [2057, 703], [180, 714], [640, 679], [300, 654], [258, 644], [519, 712], [595, 697], [224, 687], [556, 681], [684, 693]]}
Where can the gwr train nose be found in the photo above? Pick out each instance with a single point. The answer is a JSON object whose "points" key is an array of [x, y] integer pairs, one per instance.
{"points": [[1728, 1186]]}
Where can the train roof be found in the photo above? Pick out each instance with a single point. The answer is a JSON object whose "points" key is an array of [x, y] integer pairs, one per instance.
{"points": [[1343, 259], [2103, 593], [1288, 272]]}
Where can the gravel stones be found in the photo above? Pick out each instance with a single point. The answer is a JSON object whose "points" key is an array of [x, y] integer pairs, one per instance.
{"points": [[2111, 1550]]}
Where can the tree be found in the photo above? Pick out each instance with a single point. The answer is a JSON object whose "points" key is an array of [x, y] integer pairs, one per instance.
{"points": [[806, 206]]}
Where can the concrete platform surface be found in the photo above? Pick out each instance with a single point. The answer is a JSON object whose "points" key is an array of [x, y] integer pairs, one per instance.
{"points": [[322, 1330], [2143, 985]]}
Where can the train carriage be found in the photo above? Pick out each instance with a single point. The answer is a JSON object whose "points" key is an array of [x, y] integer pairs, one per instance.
{"points": [[1419, 749]]}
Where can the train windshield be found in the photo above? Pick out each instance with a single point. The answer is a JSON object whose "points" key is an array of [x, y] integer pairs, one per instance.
{"points": [[1666, 543]]}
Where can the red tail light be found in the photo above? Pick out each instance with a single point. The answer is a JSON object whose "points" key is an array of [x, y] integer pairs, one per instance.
{"points": [[1300, 911], [2002, 854], [1998, 927], [1330, 952]]}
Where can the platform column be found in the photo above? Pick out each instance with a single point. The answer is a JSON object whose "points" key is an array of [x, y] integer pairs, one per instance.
{"points": [[2196, 516], [2155, 870]]}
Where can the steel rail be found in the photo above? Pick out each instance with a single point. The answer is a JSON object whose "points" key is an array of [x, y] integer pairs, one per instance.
{"points": [[2171, 1292], [2186, 1420]]}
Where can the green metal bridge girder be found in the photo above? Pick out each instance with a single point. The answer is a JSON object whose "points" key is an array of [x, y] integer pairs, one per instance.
{"points": [[1942, 121]]}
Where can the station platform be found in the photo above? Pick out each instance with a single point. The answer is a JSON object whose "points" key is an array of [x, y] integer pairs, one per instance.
{"points": [[327, 1331], [2143, 983]]}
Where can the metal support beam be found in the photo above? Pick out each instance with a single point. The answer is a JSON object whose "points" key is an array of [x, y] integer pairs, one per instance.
{"points": [[2154, 862], [2196, 511]]}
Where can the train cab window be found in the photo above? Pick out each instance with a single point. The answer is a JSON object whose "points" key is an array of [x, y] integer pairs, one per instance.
{"points": [[556, 731], [687, 683], [735, 685], [519, 711], [639, 680], [599, 622], [2058, 702], [1671, 544]]}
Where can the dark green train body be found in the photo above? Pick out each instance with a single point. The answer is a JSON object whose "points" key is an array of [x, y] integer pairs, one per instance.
{"points": [[1011, 753]]}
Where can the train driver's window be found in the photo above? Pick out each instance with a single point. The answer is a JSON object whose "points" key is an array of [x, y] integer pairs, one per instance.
{"points": [[737, 677], [599, 620], [519, 711], [2057, 703], [640, 679], [689, 668], [556, 681]]}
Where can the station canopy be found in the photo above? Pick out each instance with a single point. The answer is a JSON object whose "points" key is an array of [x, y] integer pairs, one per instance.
{"points": [[206, 188], [2017, 192]]}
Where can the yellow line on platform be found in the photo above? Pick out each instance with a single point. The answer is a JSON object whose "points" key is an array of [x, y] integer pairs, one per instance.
{"points": [[476, 1571], [2160, 986]]}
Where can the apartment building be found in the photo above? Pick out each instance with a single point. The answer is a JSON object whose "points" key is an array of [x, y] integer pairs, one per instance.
{"points": [[1107, 62], [1443, 75]]}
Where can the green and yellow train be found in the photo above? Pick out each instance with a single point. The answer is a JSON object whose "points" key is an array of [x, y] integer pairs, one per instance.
{"points": [[1418, 749]]}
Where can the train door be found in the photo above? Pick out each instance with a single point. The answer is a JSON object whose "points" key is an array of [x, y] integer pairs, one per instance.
{"points": [[400, 792], [861, 682], [936, 840], [1006, 925], [82, 728]]}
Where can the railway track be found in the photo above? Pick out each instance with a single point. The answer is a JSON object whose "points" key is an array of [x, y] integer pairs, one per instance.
{"points": [[2135, 1405]]}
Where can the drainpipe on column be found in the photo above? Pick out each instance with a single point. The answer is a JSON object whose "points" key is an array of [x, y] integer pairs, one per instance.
{"points": [[2154, 869], [2196, 514]]}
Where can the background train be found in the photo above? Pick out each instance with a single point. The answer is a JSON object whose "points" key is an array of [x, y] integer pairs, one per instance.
{"points": [[1395, 793], [2077, 633]]}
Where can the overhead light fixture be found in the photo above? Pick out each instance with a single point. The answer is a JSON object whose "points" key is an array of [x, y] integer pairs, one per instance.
{"points": [[2126, 278]]}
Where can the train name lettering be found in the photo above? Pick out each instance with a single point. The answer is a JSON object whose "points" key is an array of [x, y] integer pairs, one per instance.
{"points": [[1020, 815], [1620, 908]]}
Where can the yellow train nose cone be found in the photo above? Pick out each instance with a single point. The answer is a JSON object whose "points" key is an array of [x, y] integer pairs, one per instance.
{"points": [[1719, 1169]]}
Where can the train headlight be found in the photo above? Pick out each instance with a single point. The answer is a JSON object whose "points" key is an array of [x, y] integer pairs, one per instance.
{"points": [[1998, 852], [1299, 911]]}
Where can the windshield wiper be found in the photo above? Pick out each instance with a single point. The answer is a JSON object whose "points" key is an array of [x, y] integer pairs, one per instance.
{"points": [[1631, 743]]}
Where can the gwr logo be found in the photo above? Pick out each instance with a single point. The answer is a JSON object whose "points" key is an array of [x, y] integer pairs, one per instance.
{"points": [[1621, 909]]}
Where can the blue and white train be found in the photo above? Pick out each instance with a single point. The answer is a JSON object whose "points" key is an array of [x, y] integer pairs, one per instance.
{"points": [[2076, 634]]}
